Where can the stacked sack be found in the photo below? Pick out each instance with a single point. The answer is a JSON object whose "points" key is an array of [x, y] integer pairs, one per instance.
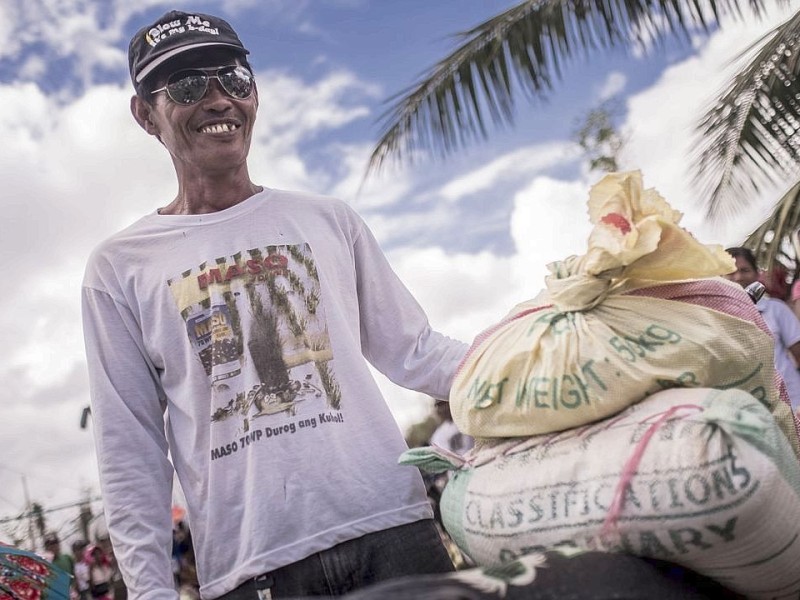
{"points": [[583, 443]]}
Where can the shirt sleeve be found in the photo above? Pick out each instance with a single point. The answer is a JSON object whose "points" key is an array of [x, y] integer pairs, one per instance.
{"points": [[132, 452], [396, 336], [789, 331]]}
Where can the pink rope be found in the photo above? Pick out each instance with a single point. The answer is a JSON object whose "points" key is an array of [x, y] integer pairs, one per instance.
{"points": [[632, 465]]}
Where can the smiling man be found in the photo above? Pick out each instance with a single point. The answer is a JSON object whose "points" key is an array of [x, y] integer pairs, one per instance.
{"points": [[227, 338]]}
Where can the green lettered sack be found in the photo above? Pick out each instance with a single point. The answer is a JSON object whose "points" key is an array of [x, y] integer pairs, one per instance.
{"points": [[703, 478]]}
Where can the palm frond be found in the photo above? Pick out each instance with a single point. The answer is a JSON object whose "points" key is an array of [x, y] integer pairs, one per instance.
{"points": [[524, 48], [750, 136], [771, 242]]}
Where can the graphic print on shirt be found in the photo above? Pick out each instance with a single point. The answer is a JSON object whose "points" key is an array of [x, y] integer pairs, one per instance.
{"points": [[258, 327]]}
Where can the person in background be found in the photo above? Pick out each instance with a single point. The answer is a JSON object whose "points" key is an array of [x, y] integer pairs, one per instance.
{"points": [[447, 435], [780, 319], [65, 562], [181, 544], [775, 282], [81, 569], [101, 573], [248, 317]]}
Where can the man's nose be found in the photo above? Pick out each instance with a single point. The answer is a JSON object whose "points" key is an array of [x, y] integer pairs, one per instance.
{"points": [[215, 90]]}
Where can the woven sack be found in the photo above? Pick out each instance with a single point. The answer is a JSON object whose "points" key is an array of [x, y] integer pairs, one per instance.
{"points": [[608, 331], [702, 478]]}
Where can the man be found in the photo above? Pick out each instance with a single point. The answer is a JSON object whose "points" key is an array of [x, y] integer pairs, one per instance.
{"points": [[52, 548], [780, 319], [244, 315], [447, 435], [81, 569]]}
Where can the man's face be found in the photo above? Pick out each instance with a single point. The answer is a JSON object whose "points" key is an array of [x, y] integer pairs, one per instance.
{"points": [[744, 274], [192, 133]]}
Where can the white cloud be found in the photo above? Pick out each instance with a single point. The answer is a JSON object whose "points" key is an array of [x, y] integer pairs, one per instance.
{"points": [[10, 20], [380, 190], [549, 223], [33, 68], [68, 29], [522, 162], [613, 85], [462, 292], [292, 111]]}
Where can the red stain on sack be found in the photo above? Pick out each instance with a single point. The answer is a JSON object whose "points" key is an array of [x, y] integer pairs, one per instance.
{"points": [[618, 221]]}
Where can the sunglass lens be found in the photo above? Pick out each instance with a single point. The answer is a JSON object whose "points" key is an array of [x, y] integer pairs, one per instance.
{"points": [[187, 87], [237, 81]]}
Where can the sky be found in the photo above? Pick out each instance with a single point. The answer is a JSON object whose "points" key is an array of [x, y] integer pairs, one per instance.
{"points": [[470, 235]]}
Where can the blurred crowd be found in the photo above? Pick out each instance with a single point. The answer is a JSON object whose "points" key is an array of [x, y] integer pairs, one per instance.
{"points": [[184, 567], [92, 566], [96, 576], [780, 309]]}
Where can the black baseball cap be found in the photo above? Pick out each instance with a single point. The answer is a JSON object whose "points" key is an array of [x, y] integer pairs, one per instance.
{"points": [[174, 33]]}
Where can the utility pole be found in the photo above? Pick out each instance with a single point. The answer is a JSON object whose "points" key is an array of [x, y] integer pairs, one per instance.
{"points": [[29, 510], [85, 517]]}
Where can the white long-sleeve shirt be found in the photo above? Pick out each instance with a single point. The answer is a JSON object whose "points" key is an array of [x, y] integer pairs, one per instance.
{"points": [[248, 329], [785, 328]]}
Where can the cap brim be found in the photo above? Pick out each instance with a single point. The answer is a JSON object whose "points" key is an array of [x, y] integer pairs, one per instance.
{"points": [[175, 52]]}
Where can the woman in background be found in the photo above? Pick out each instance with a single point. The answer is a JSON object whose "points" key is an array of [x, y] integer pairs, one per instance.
{"points": [[781, 320]]}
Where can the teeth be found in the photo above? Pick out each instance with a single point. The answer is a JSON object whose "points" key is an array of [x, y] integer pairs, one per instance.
{"points": [[218, 128]]}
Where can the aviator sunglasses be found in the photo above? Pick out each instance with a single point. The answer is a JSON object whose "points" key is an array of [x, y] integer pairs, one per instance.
{"points": [[190, 85]]}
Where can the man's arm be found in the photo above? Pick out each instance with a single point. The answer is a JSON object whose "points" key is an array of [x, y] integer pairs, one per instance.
{"points": [[395, 333], [135, 472]]}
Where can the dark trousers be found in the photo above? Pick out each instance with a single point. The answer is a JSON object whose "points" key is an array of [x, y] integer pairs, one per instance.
{"points": [[413, 549], [588, 576]]}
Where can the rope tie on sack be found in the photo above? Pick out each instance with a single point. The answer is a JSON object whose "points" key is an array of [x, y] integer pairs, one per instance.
{"points": [[578, 293], [632, 465], [573, 289], [575, 285]]}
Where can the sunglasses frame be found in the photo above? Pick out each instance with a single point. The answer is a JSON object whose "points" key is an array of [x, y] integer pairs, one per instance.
{"points": [[209, 74]]}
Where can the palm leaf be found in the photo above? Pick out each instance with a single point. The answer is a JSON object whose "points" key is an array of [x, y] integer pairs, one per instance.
{"points": [[749, 137], [772, 241], [524, 48]]}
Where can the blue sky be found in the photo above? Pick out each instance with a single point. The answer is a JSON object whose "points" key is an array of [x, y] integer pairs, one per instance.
{"points": [[470, 235]]}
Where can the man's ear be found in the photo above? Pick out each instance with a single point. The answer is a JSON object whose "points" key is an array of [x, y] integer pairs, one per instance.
{"points": [[141, 112]]}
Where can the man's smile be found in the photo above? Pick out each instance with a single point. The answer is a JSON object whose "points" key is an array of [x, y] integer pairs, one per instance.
{"points": [[219, 128]]}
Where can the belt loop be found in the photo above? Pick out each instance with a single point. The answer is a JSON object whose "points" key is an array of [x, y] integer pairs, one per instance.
{"points": [[263, 584]]}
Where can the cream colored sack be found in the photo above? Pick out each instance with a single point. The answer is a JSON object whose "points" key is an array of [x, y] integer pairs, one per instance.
{"points": [[699, 477], [603, 336]]}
